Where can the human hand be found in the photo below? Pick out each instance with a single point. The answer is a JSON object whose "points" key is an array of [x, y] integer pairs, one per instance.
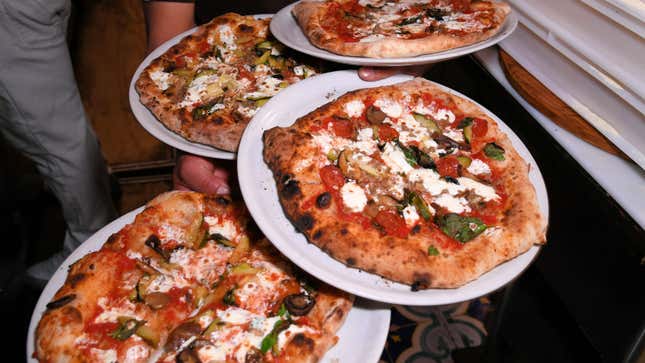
{"points": [[199, 174], [378, 73]]}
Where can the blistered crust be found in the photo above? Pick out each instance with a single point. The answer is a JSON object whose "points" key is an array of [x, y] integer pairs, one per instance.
{"points": [[403, 260]]}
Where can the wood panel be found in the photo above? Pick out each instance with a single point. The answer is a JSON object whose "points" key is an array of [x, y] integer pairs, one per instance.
{"points": [[545, 101], [108, 42]]}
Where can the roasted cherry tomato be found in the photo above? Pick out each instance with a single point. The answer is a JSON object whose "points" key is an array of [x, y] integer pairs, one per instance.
{"points": [[448, 166], [392, 223], [480, 127], [386, 133], [332, 177], [341, 127]]}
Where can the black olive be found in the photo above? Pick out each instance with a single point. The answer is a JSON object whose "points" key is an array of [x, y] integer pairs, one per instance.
{"points": [[155, 243], [323, 200], [375, 115], [187, 356], [61, 302], [299, 304], [450, 179], [181, 334]]}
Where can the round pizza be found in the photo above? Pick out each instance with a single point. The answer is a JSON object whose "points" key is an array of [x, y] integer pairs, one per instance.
{"points": [[405, 28], [189, 281], [207, 87], [408, 181]]}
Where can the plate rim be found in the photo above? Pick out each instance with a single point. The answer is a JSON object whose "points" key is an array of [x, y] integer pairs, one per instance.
{"points": [[284, 15], [250, 188], [156, 128], [94, 243]]}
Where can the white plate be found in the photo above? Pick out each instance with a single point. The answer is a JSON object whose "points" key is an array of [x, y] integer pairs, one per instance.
{"points": [[259, 191], [149, 122], [361, 338], [286, 29]]}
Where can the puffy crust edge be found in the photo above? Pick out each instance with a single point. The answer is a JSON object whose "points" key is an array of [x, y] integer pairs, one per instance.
{"points": [[397, 259], [310, 16]]}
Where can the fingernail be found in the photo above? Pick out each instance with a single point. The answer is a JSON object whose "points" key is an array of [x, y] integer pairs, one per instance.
{"points": [[223, 189]]}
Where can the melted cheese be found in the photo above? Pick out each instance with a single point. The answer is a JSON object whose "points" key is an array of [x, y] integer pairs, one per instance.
{"points": [[453, 204], [410, 215], [354, 108], [161, 79], [389, 107], [222, 226], [395, 159], [353, 197], [478, 167], [485, 191]]}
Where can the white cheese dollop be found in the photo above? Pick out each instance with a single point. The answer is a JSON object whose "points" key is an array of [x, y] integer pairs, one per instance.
{"points": [[478, 167], [395, 159], [354, 108], [410, 215], [389, 107], [160, 79], [353, 196]]}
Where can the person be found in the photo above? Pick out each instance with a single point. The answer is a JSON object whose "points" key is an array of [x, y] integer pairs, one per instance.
{"points": [[42, 116], [165, 19]]}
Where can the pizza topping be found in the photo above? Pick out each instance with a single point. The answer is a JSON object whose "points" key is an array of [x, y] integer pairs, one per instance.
{"points": [[478, 167], [218, 226], [161, 79], [453, 204], [419, 204], [354, 108], [410, 215], [323, 200], [392, 223], [299, 304], [390, 107], [157, 300], [126, 328], [494, 151], [353, 196], [433, 251], [448, 166], [374, 115], [395, 159], [463, 229]]}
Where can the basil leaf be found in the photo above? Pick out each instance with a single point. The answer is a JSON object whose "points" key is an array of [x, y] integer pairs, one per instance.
{"points": [[463, 229], [271, 339], [494, 151], [410, 155], [466, 121], [433, 251]]}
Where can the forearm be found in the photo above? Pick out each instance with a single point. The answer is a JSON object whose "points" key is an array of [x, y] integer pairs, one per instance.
{"points": [[165, 19]]}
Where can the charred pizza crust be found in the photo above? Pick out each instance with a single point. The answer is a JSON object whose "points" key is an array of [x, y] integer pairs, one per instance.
{"points": [[313, 15], [207, 87], [287, 152], [163, 279]]}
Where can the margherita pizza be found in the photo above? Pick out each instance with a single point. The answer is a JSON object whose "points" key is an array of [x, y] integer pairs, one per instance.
{"points": [[407, 181], [405, 28], [207, 87], [187, 282]]}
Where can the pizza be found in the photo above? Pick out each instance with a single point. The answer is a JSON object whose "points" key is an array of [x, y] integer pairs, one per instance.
{"points": [[408, 181], [406, 28], [190, 280], [207, 87]]}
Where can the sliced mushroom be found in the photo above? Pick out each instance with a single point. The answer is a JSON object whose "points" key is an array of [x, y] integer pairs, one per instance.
{"points": [[254, 355], [188, 356], [299, 304], [156, 300], [375, 115], [181, 334]]}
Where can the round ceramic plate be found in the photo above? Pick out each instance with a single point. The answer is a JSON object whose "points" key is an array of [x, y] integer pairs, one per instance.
{"points": [[367, 321], [286, 29], [259, 192]]}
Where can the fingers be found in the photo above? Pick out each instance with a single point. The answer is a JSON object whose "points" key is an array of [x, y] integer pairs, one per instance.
{"points": [[201, 175], [377, 73]]}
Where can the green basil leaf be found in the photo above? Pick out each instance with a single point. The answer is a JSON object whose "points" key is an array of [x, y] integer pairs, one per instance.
{"points": [[410, 155], [494, 151], [463, 229], [433, 251]]}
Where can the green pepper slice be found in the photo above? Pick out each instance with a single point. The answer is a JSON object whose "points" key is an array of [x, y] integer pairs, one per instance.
{"points": [[494, 151]]}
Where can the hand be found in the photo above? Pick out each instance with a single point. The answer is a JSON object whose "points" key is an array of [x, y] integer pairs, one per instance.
{"points": [[378, 73], [199, 174]]}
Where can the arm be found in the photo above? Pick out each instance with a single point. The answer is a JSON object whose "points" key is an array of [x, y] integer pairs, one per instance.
{"points": [[165, 19]]}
